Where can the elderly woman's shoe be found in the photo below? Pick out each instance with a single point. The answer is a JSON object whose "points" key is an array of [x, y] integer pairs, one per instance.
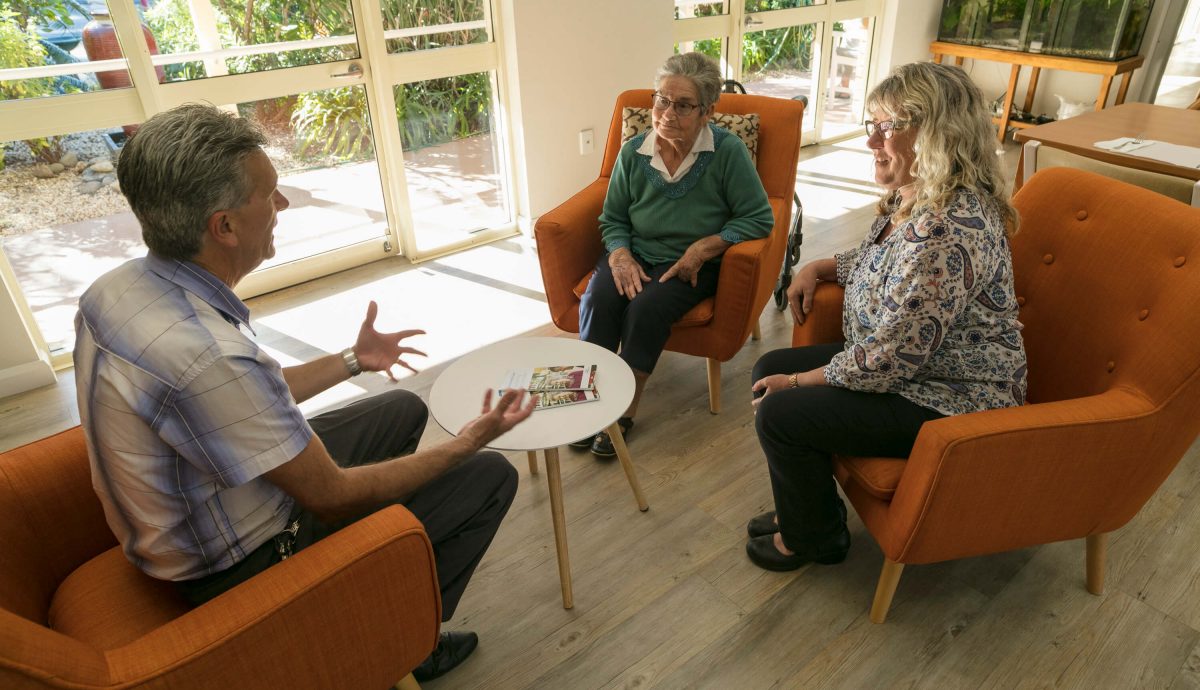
{"points": [[762, 525], [766, 523], [762, 552], [583, 443], [602, 445]]}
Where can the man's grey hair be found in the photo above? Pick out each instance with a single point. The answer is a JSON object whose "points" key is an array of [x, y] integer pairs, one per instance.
{"points": [[182, 166], [703, 72]]}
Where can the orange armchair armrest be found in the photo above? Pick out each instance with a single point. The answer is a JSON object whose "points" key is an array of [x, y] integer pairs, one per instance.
{"points": [[370, 588], [824, 323], [993, 481], [568, 240]]}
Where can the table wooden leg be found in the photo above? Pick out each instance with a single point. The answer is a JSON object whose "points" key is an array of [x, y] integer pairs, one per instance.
{"points": [[618, 441], [1105, 86], [1031, 90], [532, 461], [1124, 88], [1008, 100], [554, 482]]}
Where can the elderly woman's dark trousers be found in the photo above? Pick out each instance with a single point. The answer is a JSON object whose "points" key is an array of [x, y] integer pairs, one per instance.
{"points": [[639, 327], [800, 429]]}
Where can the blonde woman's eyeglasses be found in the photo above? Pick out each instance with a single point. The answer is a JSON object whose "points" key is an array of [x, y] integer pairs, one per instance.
{"points": [[886, 128]]}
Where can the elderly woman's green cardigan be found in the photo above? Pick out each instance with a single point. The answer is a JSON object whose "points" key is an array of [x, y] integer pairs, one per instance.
{"points": [[659, 220]]}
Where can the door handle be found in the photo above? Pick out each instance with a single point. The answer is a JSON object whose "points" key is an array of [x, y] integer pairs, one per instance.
{"points": [[353, 71], [751, 21]]}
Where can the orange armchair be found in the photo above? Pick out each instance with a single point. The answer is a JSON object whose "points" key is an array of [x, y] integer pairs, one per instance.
{"points": [[359, 609], [1110, 300], [568, 240]]}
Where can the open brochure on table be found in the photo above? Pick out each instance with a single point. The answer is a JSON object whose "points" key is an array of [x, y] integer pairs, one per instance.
{"points": [[554, 386]]}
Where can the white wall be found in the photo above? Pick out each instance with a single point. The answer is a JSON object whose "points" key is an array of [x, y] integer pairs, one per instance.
{"points": [[565, 63], [907, 27]]}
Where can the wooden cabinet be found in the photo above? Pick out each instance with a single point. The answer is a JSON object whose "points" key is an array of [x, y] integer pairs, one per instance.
{"points": [[1037, 62]]}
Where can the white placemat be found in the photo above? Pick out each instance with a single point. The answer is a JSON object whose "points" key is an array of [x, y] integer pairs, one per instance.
{"points": [[1184, 156]]}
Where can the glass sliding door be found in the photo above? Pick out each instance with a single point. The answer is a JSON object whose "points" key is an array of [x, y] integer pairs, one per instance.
{"points": [[381, 117], [817, 49]]}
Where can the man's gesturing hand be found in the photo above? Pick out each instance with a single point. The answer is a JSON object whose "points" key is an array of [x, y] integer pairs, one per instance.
{"points": [[381, 351], [494, 421]]}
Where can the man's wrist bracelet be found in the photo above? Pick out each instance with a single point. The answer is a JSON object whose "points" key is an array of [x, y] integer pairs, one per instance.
{"points": [[351, 361], [792, 382]]}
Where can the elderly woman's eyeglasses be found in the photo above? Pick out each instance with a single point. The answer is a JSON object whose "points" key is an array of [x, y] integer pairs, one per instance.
{"points": [[886, 128], [661, 103]]}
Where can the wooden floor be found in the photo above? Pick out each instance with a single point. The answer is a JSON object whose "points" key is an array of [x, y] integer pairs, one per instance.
{"points": [[667, 598]]}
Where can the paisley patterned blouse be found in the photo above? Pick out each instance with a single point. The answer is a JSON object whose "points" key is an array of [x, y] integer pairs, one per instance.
{"points": [[930, 311]]}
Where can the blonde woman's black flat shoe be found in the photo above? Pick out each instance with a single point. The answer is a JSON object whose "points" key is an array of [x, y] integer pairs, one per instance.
{"points": [[762, 552]]}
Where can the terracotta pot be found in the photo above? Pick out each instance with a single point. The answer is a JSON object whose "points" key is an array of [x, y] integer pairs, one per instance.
{"points": [[100, 43]]}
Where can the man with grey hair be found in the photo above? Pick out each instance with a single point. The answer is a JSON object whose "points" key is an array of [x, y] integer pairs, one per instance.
{"points": [[206, 468]]}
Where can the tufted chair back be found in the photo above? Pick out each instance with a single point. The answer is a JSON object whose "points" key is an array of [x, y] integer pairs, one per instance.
{"points": [[1108, 292], [1108, 279]]}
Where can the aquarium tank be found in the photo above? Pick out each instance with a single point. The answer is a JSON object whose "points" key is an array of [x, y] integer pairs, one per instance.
{"points": [[1094, 29]]}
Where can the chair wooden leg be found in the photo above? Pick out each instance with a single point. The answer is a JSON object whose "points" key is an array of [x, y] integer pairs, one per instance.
{"points": [[408, 683], [554, 482], [714, 385], [756, 334], [618, 441], [532, 461], [1097, 552], [889, 577]]}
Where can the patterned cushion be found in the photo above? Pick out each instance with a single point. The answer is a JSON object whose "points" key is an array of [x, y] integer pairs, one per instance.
{"points": [[637, 120]]}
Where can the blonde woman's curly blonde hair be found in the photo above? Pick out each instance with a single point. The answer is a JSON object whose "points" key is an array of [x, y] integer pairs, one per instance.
{"points": [[955, 144]]}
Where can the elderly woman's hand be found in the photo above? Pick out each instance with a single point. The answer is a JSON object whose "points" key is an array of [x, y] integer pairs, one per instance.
{"points": [[627, 273], [687, 268]]}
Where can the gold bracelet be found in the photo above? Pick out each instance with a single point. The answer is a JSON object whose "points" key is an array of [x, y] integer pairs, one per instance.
{"points": [[792, 382]]}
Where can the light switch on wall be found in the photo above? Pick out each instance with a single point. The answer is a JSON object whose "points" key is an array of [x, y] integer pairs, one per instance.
{"points": [[586, 145]]}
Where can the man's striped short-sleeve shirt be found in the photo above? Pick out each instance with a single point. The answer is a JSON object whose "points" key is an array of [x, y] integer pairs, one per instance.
{"points": [[183, 414]]}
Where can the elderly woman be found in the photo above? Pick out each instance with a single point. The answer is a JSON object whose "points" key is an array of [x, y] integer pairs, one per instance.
{"points": [[679, 196], [930, 320]]}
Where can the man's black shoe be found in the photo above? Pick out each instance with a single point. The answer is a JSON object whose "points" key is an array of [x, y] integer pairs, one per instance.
{"points": [[453, 648]]}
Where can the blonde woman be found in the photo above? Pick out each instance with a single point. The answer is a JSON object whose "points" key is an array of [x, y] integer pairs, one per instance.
{"points": [[929, 319]]}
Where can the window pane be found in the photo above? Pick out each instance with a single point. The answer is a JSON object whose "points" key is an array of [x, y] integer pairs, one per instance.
{"points": [[220, 35], [456, 181], [780, 63], [847, 86], [768, 5], [47, 49], [64, 222], [710, 47], [320, 143], [686, 9], [423, 25]]}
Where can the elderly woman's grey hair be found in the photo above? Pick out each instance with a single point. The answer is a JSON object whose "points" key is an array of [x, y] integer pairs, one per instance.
{"points": [[955, 142], [702, 70], [182, 166]]}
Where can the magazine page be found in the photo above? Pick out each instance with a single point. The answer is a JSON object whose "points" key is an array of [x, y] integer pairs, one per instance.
{"points": [[550, 399], [575, 377]]}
